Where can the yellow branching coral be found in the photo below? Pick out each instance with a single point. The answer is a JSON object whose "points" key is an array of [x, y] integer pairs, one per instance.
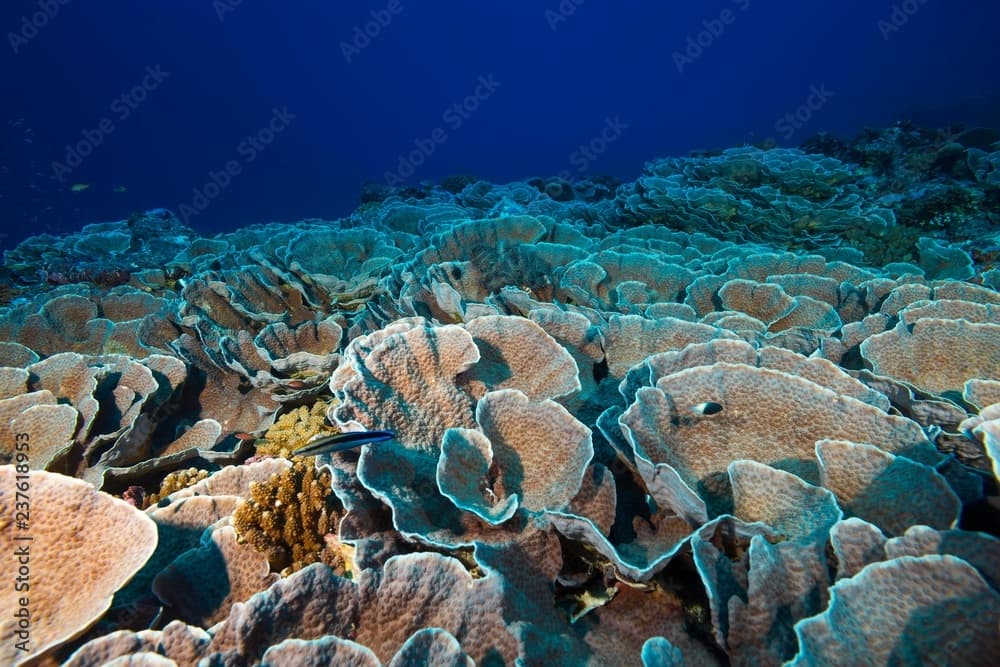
{"points": [[294, 429], [175, 481], [292, 518]]}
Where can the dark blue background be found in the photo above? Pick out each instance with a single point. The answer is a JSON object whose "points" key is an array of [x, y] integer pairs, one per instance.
{"points": [[353, 121]]}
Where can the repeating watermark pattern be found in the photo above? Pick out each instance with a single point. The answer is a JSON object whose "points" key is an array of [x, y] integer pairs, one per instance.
{"points": [[899, 15], [794, 120], [453, 118], [363, 34], [21, 553], [224, 7], [34, 23], [247, 151], [120, 108], [585, 154], [562, 12], [712, 29]]}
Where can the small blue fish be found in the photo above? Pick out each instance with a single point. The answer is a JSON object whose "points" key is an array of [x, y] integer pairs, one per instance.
{"points": [[342, 441]]}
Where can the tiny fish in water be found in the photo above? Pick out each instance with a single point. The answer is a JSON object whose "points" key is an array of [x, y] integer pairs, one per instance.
{"points": [[707, 408], [79, 187], [342, 441]]}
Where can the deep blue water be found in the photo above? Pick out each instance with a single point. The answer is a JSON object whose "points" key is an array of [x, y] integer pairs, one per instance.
{"points": [[288, 108]]}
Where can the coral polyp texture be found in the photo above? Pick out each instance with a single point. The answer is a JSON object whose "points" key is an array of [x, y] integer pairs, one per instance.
{"points": [[743, 410]]}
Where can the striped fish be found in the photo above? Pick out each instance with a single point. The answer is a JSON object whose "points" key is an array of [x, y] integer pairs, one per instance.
{"points": [[342, 441]]}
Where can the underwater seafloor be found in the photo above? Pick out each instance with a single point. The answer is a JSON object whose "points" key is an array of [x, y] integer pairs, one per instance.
{"points": [[744, 410]]}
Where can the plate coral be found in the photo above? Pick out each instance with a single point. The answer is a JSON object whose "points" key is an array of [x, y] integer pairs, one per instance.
{"points": [[742, 410]]}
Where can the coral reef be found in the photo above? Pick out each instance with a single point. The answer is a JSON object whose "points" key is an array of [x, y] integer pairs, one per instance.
{"points": [[742, 410]]}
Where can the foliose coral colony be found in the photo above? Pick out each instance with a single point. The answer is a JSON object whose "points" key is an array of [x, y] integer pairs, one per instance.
{"points": [[742, 410]]}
